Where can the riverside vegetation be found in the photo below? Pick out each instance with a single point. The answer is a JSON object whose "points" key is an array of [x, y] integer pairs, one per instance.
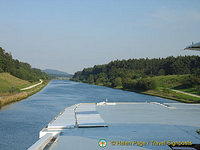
{"points": [[15, 75], [149, 76], [15, 94]]}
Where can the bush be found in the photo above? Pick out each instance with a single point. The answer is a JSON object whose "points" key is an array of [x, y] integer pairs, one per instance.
{"points": [[127, 83], [198, 131], [166, 91], [145, 84], [191, 81], [109, 84], [117, 82], [1, 70], [161, 72]]}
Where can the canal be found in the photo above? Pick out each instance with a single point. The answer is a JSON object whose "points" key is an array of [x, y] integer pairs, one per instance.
{"points": [[21, 122]]}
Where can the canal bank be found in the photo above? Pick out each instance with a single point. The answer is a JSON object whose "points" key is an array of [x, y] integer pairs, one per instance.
{"points": [[166, 93], [4, 100]]}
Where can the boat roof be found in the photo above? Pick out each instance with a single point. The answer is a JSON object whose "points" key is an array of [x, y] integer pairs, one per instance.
{"points": [[122, 126], [195, 46]]}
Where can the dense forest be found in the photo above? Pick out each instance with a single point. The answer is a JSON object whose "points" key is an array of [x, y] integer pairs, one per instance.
{"points": [[19, 69], [136, 73]]}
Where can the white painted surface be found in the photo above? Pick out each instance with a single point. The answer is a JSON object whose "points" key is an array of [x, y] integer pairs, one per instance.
{"points": [[90, 120], [86, 107], [164, 105], [82, 115], [41, 143], [46, 131], [87, 116], [65, 120], [130, 121], [105, 103]]}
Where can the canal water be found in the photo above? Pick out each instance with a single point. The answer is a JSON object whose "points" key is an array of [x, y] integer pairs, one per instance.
{"points": [[21, 122]]}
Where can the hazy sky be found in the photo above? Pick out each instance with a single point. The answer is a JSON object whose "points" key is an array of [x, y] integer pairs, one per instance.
{"points": [[69, 35]]}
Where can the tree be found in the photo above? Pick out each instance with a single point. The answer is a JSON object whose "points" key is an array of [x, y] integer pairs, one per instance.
{"points": [[161, 72], [145, 84], [91, 79], [133, 69], [117, 82], [19, 69], [191, 81]]}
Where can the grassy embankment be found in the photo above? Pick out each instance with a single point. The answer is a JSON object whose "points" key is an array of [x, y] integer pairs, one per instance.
{"points": [[10, 89], [165, 84], [164, 88]]}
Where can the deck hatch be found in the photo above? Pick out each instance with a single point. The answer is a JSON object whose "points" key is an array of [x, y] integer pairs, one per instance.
{"points": [[88, 117], [65, 120]]}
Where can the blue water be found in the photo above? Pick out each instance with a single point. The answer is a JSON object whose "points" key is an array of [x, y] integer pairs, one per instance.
{"points": [[21, 122]]}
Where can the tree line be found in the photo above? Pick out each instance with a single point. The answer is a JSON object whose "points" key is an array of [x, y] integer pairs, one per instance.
{"points": [[136, 73], [19, 69]]}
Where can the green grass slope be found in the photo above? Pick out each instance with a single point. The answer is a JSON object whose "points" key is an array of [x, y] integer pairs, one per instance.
{"points": [[8, 82], [169, 81], [10, 88], [166, 83]]}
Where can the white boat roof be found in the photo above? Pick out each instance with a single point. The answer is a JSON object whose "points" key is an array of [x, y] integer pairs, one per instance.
{"points": [[195, 46], [65, 119], [138, 123]]}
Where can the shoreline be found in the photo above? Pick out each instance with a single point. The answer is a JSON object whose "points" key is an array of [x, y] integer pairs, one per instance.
{"points": [[151, 93], [15, 97], [161, 96], [171, 98]]}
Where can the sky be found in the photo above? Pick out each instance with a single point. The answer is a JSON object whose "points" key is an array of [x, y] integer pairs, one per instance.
{"points": [[70, 35]]}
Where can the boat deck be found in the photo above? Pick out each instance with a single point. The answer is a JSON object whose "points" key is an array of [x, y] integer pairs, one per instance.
{"points": [[125, 126]]}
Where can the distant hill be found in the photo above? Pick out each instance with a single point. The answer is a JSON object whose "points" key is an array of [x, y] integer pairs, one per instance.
{"points": [[56, 73]]}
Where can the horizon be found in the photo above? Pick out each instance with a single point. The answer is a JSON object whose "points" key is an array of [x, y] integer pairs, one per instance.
{"points": [[72, 35]]}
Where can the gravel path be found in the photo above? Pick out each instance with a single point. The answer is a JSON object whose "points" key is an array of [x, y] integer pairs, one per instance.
{"points": [[186, 93], [32, 86]]}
